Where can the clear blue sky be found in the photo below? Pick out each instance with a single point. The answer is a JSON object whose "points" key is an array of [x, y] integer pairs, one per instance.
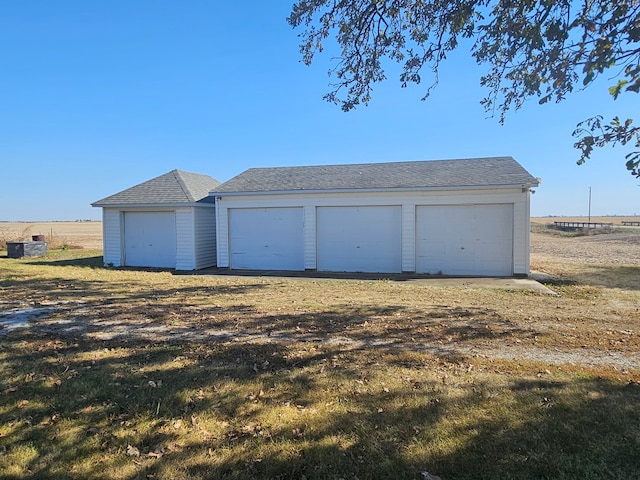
{"points": [[98, 96]]}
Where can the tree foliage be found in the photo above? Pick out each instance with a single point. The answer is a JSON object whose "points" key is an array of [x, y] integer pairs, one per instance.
{"points": [[543, 49]]}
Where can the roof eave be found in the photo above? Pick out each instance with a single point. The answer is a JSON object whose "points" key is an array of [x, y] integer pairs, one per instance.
{"points": [[151, 205]]}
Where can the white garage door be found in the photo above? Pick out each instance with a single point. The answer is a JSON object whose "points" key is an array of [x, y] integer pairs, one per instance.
{"points": [[465, 240], [266, 238], [150, 239], [359, 239]]}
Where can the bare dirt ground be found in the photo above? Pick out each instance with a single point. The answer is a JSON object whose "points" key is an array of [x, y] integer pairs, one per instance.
{"points": [[620, 248], [600, 249]]}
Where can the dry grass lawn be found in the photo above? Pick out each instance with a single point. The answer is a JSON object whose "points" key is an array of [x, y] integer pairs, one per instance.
{"points": [[130, 374]]}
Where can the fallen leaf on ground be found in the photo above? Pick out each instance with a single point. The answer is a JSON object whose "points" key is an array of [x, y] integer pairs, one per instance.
{"points": [[428, 476], [132, 451]]}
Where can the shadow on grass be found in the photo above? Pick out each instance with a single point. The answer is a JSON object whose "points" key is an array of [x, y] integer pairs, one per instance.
{"points": [[139, 410], [439, 329], [117, 310], [92, 262], [611, 276], [607, 276], [167, 315], [95, 294], [185, 404], [394, 277]]}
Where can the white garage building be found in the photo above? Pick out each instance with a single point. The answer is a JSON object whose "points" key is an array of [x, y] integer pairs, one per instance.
{"points": [[451, 217], [168, 222]]}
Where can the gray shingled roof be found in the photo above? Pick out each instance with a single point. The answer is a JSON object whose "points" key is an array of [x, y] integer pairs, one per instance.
{"points": [[472, 172], [174, 187]]}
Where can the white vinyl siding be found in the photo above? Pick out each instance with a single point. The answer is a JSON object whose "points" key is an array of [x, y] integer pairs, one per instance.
{"points": [[185, 239], [205, 237], [522, 235], [266, 238], [309, 238], [222, 235], [111, 237], [408, 238], [359, 239], [465, 240]]}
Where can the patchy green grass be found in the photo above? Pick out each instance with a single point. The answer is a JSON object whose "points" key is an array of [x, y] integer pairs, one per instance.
{"points": [[313, 379]]}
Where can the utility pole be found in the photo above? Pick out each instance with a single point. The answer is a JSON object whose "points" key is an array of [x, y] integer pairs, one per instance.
{"points": [[589, 204]]}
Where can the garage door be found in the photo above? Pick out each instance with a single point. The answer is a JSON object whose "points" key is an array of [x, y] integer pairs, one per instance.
{"points": [[266, 238], [359, 239], [150, 239], [465, 240]]}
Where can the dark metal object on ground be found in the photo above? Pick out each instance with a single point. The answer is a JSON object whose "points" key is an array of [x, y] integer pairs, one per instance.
{"points": [[26, 249]]}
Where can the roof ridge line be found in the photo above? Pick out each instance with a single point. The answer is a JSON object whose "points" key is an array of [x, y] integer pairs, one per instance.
{"points": [[394, 162], [182, 184]]}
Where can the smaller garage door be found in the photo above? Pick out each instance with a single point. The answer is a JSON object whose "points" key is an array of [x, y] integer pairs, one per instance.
{"points": [[359, 239], [150, 239], [266, 238], [465, 239]]}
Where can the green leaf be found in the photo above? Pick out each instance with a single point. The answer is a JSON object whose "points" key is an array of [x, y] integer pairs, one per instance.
{"points": [[615, 90]]}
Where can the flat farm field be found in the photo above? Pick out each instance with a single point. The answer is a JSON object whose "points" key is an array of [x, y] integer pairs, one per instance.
{"points": [[616, 221], [73, 234], [138, 374]]}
